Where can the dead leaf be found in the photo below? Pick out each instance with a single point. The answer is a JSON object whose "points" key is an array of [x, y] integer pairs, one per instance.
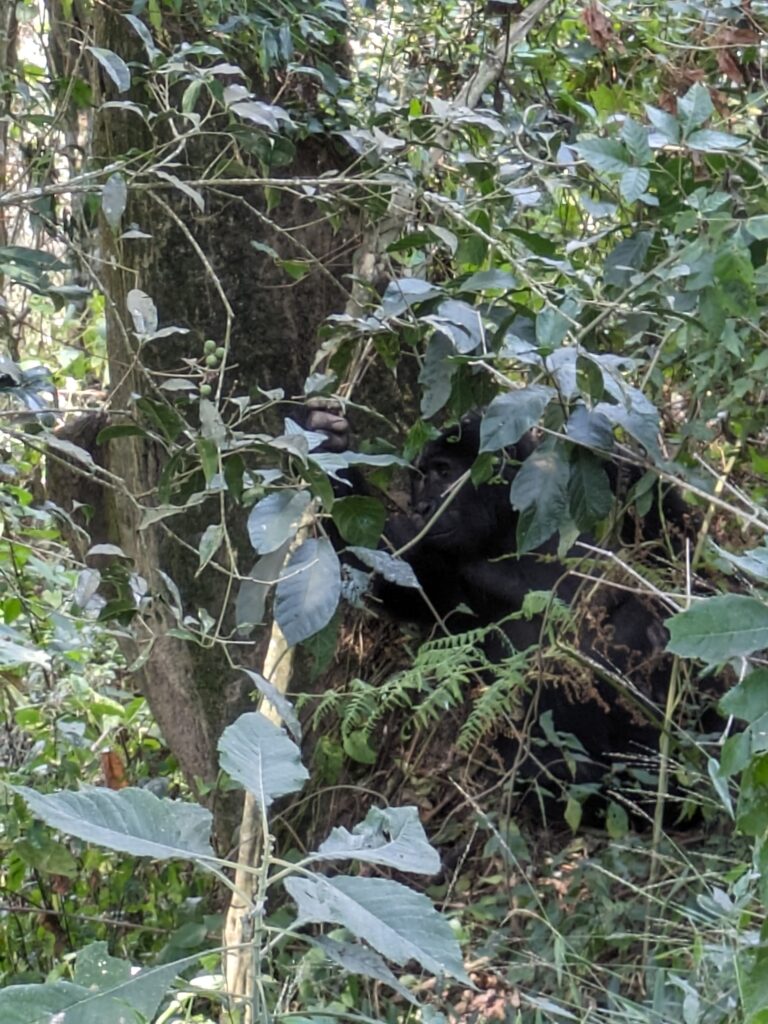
{"points": [[113, 770], [601, 32]]}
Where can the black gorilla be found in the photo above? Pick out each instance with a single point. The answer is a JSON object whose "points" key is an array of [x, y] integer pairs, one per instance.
{"points": [[604, 675]]}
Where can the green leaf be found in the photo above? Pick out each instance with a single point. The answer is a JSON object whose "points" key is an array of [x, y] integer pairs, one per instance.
{"points": [[635, 137], [749, 698], [720, 784], [72, 451], [666, 124], [436, 375], [406, 291], [640, 421], [540, 492], [183, 187], [590, 497], [606, 155], [143, 312], [616, 821], [489, 280], [392, 836], [308, 591], [259, 755], [12, 653], [709, 141], [461, 323], [590, 428], [252, 596], [736, 277], [401, 924], [279, 702], [735, 755], [393, 570], [634, 183], [212, 426], [359, 520], [114, 66], [114, 197], [510, 415], [355, 958], [752, 810], [131, 820], [753, 970], [107, 991], [552, 325], [357, 748], [716, 629], [275, 519], [43, 853], [144, 34], [627, 256], [695, 107], [757, 226], [210, 543]]}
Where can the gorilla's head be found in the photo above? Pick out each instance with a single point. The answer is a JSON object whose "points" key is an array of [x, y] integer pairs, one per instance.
{"points": [[468, 520]]}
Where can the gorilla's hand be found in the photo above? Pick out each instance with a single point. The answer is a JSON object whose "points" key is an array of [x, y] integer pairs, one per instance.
{"points": [[324, 416]]}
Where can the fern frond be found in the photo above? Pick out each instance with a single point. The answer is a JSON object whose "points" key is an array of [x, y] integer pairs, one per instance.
{"points": [[496, 702]]}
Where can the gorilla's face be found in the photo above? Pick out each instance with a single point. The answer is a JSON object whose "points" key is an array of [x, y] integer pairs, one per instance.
{"points": [[465, 520]]}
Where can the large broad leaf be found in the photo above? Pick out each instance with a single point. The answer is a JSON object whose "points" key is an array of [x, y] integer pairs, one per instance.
{"points": [[12, 653], [402, 293], [358, 959], [279, 702], [258, 754], [437, 374], [70, 450], [718, 628], [252, 596], [540, 492], [590, 497], [275, 519], [606, 155], [695, 107], [114, 66], [360, 520], [107, 991], [460, 322], [509, 416], [640, 422], [392, 836], [590, 428], [401, 924], [626, 258], [130, 820], [394, 570], [749, 699], [308, 591]]}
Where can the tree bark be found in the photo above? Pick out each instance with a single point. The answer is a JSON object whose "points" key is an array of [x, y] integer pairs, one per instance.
{"points": [[203, 274]]}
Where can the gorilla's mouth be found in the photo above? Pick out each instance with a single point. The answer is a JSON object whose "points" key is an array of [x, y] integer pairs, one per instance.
{"points": [[441, 529]]}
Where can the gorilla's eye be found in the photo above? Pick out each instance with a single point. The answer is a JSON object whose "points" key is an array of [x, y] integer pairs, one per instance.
{"points": [[443, 468]]}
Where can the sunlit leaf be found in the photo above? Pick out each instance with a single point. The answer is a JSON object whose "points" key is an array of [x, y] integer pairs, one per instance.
{"points": [[259, 755]]}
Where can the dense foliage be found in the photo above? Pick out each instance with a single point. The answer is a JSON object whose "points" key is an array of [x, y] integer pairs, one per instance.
{"points": [[559, 214]]}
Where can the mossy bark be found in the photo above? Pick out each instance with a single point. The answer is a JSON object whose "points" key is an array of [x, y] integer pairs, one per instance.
{"points": [[193, 259]]}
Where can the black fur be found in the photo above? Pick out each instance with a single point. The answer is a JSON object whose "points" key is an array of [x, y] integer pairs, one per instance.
{"points": [[604, 675]]}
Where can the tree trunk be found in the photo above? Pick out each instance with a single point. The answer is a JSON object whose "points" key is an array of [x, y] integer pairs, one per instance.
{"points": [[204, 274]]}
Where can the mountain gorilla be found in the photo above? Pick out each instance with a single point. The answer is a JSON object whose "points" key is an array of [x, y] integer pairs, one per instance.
{"points": [[599, 668]]}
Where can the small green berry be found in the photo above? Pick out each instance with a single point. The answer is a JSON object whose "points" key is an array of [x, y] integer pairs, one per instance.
{"points": [[221, 351], [205, 390], [212, 360], [209, 346]]}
